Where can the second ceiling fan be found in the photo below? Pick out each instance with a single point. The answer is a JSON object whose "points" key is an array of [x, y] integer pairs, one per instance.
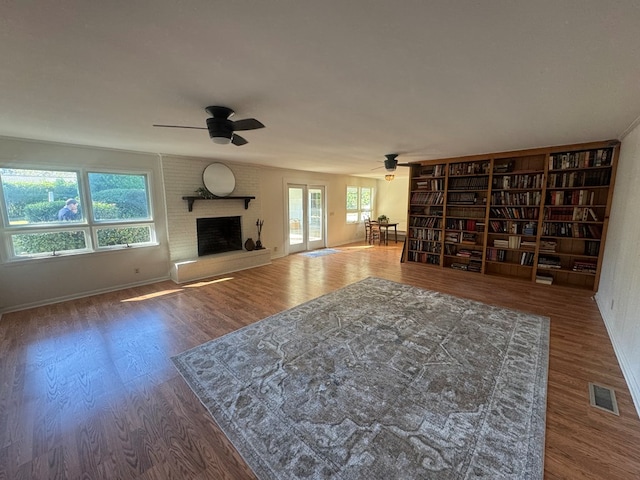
{"points": [[221, 128]]}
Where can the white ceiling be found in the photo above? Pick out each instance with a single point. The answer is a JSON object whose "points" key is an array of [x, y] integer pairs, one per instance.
{"points": [[338, 83]]}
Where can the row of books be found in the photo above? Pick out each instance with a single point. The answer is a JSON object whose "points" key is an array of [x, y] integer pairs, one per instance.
{"points": [[469, 168], [554, 263], [469, 183], [575, 230], [513, 242], [425, 234], [578, 214], [430, 184], [466, 253], [426, 222], [589, 178], [468, 238], [462, 198], [516, 198], [503, 167], [519, 180], [525, 213], [584, 266], [427, 198], [462, 211], [550, 262], [469, 224], [437, 170], [425, 246], [515, 227], [522, 258], [455, 250], [431, 210], [570, 197], [474, 266], [591, 248], [588, 158], [496, 255], [471, 266], [423, 257]]}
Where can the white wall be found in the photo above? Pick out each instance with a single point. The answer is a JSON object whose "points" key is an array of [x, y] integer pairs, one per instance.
{"points": [[618, 297], [40, 281], [393, 200]]}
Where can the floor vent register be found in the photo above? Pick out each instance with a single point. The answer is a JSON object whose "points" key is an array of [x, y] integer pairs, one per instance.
{"points": [[603, 397]]}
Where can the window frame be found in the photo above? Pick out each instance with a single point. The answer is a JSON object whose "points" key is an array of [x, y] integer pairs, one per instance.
{"points": [[89, 225], [359, 211]]}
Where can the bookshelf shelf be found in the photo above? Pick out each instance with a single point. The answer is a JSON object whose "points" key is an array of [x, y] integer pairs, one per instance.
{"points": [[539, 215]]}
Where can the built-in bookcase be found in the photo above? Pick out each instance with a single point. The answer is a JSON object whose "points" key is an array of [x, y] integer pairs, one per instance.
{"points": [[426, 207], [538, 215], [465, 214]]}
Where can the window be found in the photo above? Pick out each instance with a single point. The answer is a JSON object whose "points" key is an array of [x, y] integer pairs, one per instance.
{"points": [[359, 202], [44, 212]]}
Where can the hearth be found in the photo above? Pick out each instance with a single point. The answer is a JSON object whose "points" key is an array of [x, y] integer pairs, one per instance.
{"points": [[218, 235]]}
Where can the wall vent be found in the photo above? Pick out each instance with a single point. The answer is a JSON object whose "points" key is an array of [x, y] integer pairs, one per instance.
{"points": [[603, 397]]}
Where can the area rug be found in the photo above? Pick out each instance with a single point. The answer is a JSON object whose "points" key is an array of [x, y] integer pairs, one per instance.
{"points": [[320, 253], [380, 380]]}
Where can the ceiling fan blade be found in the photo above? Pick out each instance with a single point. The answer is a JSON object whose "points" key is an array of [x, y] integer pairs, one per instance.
{"points": [[403, 164], [238, 141], [180, 126], [247, 124]]}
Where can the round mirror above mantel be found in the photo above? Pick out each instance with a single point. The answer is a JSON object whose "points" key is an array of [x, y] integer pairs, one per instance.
{"points": [[219, 179]]}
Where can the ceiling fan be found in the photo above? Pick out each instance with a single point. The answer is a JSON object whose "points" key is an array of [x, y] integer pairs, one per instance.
{"points": [[391, 163], [221, 129]]}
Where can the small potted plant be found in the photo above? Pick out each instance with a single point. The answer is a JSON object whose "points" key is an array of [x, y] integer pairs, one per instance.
{"points": [[383, 219]]}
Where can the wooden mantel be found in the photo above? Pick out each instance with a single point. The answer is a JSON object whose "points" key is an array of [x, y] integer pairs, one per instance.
{"points": [[190, 200]]}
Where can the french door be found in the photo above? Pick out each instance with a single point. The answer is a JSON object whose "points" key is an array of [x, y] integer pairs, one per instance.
{"points": [[307, 223]]}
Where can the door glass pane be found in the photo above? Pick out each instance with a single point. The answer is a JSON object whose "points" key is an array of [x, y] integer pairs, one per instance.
{"points": [[296, 218], [315, 214]]}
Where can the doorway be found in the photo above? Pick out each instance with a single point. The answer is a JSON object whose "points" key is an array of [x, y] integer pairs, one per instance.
{"points": [[306, 223]]}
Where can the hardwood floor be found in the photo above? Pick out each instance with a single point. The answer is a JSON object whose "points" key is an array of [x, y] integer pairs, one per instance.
{"points": [[88, 390]]}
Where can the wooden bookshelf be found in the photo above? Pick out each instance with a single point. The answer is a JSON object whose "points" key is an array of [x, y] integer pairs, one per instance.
{"points": [[538, 215], [426, 209]]}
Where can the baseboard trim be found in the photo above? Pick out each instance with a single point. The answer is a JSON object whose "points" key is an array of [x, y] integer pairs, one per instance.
{"points": [[625, 365], [51, 301]]}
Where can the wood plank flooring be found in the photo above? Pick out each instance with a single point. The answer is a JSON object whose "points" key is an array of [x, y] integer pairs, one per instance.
{"points": [[88, 390]]}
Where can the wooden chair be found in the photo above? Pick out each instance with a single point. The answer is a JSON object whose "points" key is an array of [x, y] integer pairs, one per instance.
{"points": [[367, 229], [375, 233]]}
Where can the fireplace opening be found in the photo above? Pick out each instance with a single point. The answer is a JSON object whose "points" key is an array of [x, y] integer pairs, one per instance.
{"points": [[218, 235]]}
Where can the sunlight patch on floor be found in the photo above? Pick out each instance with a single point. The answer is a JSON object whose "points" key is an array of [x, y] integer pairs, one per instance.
{"points": [[210, 282], [152, 295]]}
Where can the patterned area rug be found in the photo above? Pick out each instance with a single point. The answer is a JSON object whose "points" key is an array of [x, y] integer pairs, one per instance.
{"points": [[380, 380], [320, 253]]}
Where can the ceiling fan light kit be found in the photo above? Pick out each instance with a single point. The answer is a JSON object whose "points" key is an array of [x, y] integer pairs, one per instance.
{"points": [[391, 162]]}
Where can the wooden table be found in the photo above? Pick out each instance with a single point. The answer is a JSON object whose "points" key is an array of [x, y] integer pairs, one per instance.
{"points": [[386, 226]]}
